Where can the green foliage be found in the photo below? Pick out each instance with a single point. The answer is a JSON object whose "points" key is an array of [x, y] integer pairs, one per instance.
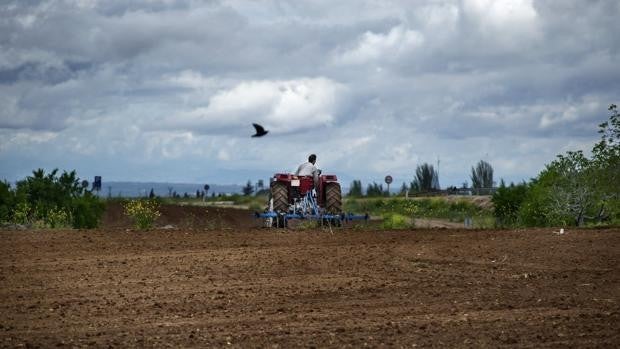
{"points": [[606, 163], [395, 221], [50, 200], [573, 194], [356, 189], [375, 190], [87, 211], [47, 191], [426, 179], [7, 201], [419, 207], [534, 208], [21, 212], [571, 190], [143, 212], [507, 201], [551, 200], [57, 218]]}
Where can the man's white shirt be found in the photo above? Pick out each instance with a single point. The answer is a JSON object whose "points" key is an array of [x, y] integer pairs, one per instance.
{"points": [[306, 169]]}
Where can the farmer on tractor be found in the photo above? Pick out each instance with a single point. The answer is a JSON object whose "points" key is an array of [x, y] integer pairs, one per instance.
{"points": [[306, 194], [309, 169]]}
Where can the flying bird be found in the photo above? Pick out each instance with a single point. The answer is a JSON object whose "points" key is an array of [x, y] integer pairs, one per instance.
{"points": [[260, 130]]}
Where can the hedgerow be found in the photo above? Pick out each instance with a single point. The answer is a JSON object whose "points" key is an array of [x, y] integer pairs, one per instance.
{"points": [[50, 200]]}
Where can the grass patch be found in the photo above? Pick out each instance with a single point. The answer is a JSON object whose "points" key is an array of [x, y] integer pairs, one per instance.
{"points": [[393, 210]]}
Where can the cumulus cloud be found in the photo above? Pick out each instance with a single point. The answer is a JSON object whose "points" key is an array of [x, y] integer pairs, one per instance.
{"points": [[372, 47], [281, 106], [508, 15]]}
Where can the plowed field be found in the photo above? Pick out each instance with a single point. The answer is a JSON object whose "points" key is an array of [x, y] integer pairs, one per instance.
{"points": [[227, 284]]}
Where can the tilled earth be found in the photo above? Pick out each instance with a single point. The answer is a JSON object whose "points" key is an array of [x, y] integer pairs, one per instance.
{"points": [[216, 286]]}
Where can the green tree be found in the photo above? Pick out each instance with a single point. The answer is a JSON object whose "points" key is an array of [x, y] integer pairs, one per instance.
{"points": [[573, 193], [356, 189], [562, 194], [44, 192], [482, 175], [375, 190], [606, 165], [574, 188], [426, 178]]}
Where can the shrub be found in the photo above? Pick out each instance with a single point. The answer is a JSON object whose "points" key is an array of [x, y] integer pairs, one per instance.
{"points": [[49, 200], [87, 211], [7, 201], [395, 221], [21, 213], [507, 201], [143, 212], [57, 218]]}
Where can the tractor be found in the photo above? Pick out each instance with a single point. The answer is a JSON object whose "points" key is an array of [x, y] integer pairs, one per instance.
{"points": [[299, 197]]}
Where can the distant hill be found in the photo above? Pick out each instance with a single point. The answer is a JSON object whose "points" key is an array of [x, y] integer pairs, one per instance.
{"points": [[138, 189]]}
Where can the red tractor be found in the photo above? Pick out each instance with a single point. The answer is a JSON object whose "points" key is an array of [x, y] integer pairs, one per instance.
{"points": [[297, 197]]}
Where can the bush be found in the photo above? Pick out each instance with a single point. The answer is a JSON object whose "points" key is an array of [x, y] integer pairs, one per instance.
{"points": [[7, 201], [57, 218], [507, 202], [21, 213], [49, 200], [395, 221], [143, 212], [87, 211]]}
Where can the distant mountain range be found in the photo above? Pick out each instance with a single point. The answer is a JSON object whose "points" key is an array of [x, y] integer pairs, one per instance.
{"points": [[140, 189]]}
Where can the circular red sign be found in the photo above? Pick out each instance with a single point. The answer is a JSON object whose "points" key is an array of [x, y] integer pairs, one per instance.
{"points": [[388, 179]]}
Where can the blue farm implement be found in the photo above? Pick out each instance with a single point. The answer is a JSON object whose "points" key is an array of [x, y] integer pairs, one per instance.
{"points": [[299, 197]]}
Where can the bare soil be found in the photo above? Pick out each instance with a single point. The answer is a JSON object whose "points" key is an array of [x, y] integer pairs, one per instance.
{"points": [[204, 284]]}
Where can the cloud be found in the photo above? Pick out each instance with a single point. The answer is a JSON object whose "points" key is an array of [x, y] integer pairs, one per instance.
{"points": [[282, 106], [371, 47], [506, 16]]}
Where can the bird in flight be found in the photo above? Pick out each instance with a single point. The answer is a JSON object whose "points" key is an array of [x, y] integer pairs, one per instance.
{"points": [[260, 130]]}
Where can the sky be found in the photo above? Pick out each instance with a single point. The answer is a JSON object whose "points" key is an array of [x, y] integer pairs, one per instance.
{"points": [[167, 90]]}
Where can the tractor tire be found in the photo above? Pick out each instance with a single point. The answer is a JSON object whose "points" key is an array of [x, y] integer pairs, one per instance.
{"points": [[333, 198], [279, 194]]}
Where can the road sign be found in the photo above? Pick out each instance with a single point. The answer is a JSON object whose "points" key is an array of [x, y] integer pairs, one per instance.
{"points": [[388, 179]]}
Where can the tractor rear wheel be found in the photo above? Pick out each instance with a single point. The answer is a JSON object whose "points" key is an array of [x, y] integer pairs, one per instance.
{"points": [[279, 195], [333, 198]]}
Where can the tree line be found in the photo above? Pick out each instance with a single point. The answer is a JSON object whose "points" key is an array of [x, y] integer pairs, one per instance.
{"points": [[426, 180]]}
